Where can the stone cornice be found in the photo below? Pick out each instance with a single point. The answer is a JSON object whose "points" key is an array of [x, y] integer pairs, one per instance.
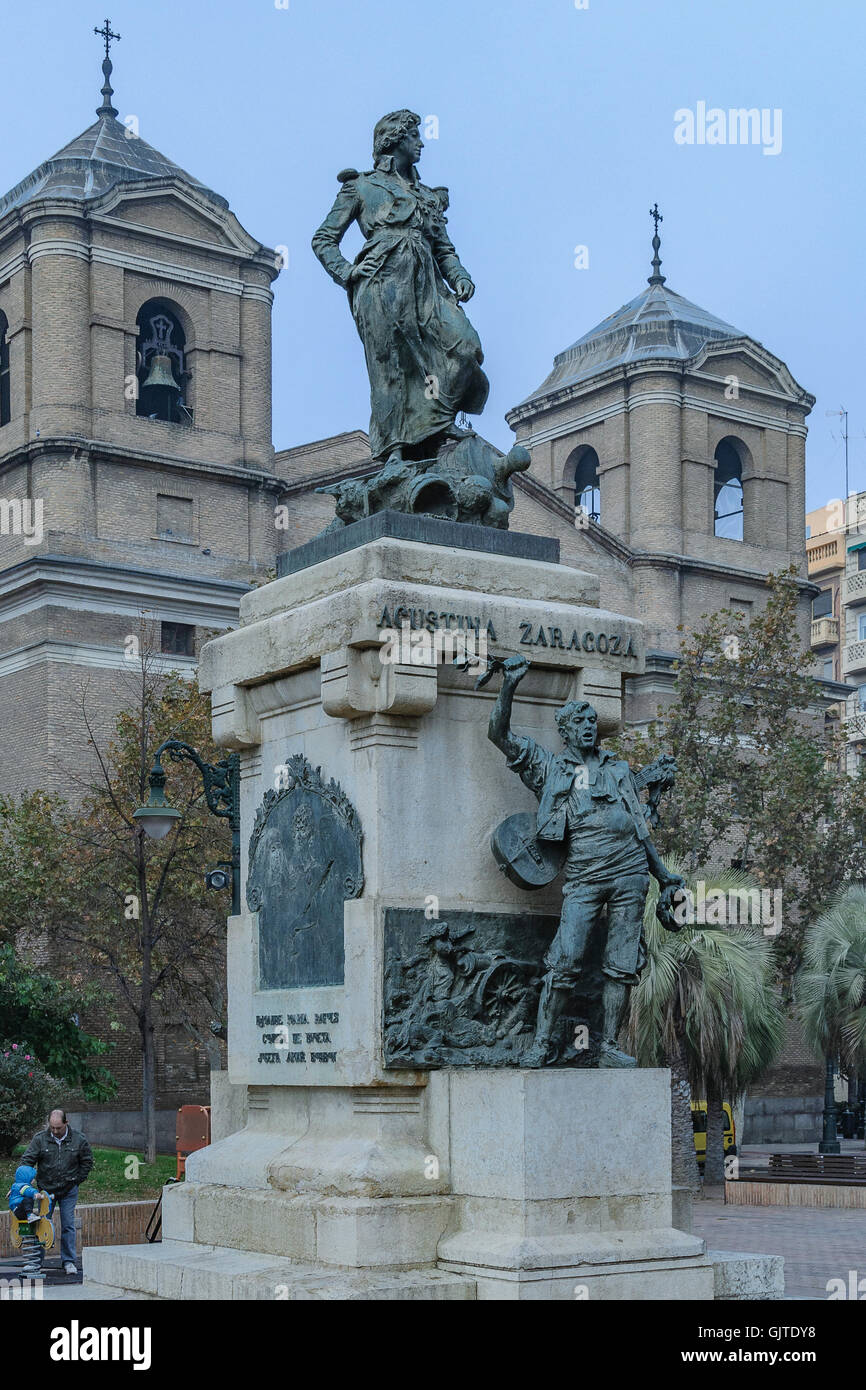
{"points": [[58, 246], [727, 410], [141, 265], [749, 347], [183, 274], [93, 211], [242, 246], [123, 227], [789, 394], [646, 559], [11, 267], [70, 581], [88, 654], [100, 450]]}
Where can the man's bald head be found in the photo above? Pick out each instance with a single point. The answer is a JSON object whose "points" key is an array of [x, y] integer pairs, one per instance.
{"points": [[57, 1122]]}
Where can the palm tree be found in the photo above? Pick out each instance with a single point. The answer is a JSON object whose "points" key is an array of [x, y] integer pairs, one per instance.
{"points": [[705, 1006], [831, 986]]}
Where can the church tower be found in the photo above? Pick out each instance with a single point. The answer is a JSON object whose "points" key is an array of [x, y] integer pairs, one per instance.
{"points": [[136, 463], [683, 438]]}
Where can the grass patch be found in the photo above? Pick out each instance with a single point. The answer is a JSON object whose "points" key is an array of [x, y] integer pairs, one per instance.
{"points": [[107, 1181]]}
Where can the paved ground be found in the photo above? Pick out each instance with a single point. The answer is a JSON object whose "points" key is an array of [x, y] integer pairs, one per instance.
{"points": [[81, 1293], [818, 1243]]}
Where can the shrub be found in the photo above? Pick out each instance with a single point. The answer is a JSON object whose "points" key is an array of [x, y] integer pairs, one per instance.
{"points": [[26, 1094]]}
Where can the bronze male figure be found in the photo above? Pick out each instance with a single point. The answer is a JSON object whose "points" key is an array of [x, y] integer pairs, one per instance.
{"points": [[589, 800]]}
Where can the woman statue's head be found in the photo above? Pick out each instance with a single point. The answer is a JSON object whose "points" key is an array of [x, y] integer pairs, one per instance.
{"points": [[393, 129]]}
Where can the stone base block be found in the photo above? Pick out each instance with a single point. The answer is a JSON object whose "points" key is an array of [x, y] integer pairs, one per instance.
{"points": [[747, 1277], [597, 1248], [562, 1187], [401, 1231], [179, 1270], [659, 1281], [556, 1135], [646, 1264], [353, 1231]]}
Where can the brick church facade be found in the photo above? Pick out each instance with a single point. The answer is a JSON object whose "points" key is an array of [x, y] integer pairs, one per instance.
{"points": [[135, 406]]}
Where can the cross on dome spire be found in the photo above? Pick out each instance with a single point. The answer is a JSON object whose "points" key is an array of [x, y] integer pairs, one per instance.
{"points": [[656, 278], [106, 33]]}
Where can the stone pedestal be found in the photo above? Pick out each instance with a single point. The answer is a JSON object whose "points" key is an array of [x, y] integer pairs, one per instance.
{"points": [[562, 1187], [369, 793]]}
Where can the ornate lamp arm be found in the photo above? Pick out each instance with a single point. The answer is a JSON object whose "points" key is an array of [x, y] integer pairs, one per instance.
{"points": [[221, 780], [222, 792]]}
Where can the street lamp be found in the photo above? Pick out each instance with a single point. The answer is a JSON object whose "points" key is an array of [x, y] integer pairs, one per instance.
{"points": [[843, 414], [830, 1142], [156, 817], [222, 793]]}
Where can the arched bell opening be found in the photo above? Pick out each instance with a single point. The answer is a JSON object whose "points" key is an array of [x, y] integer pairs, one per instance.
{"points": [[161, 366], [728, 503], [5, 389], [587, 489]]}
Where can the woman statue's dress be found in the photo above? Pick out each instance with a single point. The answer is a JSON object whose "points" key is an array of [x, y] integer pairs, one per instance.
{"points": [[423, 355]]}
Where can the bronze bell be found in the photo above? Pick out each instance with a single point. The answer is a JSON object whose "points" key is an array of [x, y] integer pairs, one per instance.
{"points": [[160, 373]]}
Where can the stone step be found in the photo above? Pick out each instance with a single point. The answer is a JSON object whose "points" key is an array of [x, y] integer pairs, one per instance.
{"points": [[178, 1269], [181, 1270]]}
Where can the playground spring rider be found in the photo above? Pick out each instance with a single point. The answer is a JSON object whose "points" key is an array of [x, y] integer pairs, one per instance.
{"points": [[33, 1233]]}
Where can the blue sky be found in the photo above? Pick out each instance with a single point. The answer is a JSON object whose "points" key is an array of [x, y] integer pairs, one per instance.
{"points": [[556, 129]]}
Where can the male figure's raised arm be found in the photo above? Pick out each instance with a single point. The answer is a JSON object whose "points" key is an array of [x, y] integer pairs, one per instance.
{"points": [[499, 728]]}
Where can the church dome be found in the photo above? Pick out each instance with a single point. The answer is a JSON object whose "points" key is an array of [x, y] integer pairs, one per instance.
{"points": [[103, 155], [656, 324]]}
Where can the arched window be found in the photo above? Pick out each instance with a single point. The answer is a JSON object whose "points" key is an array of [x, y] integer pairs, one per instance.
{"points": [[5, 394], [587, 494], [728, 491], [162, 373]]}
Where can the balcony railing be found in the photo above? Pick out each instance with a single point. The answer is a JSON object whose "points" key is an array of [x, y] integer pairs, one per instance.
{"points": [[855, 587], [855, 728], [824, 555], [854, 657], [825, 631]]}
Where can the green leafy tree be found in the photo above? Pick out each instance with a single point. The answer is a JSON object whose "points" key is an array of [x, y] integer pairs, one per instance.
{"points": [[146, 920], [38, 882], [43, 1012], [831, 987], [705, 1006], [761, 783]]}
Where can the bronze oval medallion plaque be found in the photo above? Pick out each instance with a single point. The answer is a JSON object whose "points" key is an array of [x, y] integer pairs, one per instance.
{"points": [[304, 862]]}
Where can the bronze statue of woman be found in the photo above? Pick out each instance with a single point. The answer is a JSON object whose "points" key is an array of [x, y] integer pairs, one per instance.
{"points": [[405, 290]]}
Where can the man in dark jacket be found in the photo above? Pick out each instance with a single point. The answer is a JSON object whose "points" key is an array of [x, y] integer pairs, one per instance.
{"points": [[63, 1159]]}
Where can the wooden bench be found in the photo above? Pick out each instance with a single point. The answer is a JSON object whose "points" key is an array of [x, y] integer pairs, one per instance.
{"points": [[829, 1169]]}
